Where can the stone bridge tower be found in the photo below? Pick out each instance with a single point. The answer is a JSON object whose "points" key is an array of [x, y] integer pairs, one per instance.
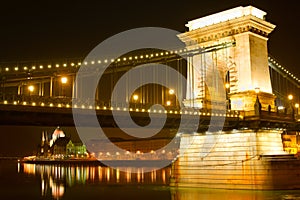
{"points": [[235, 42]]}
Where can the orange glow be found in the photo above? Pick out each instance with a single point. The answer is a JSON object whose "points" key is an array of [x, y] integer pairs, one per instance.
{"points": [[168, 103], [135, 97], [31, 88], [64, 80]]}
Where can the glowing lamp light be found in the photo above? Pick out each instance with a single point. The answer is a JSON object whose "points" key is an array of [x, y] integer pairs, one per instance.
{"points": [[227, 85], [290, 97], [296, 105], [64, 80], [31, 88], [168, 103], [171, 91], [135, 97]]}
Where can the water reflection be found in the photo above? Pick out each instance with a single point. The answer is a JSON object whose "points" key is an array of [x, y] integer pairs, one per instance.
{"points": [[54, 179], [90, 182], [212, 194]]}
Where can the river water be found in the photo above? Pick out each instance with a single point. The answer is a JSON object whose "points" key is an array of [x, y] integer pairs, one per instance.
{"points": [[31, 181]]}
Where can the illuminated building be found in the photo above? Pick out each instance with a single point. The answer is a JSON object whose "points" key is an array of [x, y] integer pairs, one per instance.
{"points": [[60, 146]]}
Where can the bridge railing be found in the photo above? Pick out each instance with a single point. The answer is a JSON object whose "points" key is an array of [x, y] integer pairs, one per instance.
{"points": [[277, 114]]}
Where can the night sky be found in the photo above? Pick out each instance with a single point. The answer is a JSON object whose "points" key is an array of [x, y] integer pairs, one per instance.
{"points": [[36, 30]]}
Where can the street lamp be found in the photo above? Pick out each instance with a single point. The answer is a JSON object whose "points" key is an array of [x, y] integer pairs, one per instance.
{"points": [[30, 89], [171, 91], [257, 91], [297, 108], [135, 98], [172, 98], [64, 81], [291, 109], [227, 85], [168, 103], [257, 105]]}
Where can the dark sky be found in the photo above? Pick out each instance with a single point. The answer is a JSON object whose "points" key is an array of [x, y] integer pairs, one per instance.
{"points": [[34, 30]]}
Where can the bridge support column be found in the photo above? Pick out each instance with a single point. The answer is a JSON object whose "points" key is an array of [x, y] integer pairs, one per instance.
{"points": [[41, 89], [74, 88], [231, 160], [19, 89], [51, 86], [246, 59]]}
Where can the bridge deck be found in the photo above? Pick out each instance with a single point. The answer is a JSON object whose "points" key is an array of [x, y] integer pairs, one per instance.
{"points": [[54, 116]]}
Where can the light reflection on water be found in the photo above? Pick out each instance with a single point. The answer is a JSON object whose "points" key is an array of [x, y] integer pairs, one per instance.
{"points": [[90, 182], [55, 178]]}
